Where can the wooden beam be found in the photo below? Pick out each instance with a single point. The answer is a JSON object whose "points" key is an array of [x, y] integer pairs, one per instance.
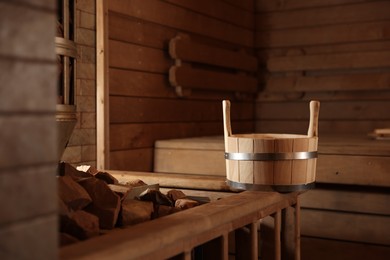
{"points": [[102, 143]]}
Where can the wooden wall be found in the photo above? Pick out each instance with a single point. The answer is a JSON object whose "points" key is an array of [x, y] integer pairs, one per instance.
{"points": [[338, 52], [335, 51], [143, 106], [28, 133]]}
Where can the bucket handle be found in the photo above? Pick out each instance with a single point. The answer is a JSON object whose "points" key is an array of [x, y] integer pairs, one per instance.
{"points": [[227, 128], [311, 132], [314, 113]]}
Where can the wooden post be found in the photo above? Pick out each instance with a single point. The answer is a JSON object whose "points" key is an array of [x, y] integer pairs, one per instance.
{"points": [[288, 233], [298, 229], [278, 217], [246, 240], [102, 142]]}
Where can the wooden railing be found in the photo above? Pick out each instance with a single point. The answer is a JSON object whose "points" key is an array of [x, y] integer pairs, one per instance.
{"points": [[204, 229]]}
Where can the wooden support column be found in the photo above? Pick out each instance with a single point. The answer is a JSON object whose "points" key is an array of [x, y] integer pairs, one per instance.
{"points": [[298, 229], [277, 221], [246, 239], [288, 233], [215, 249]]}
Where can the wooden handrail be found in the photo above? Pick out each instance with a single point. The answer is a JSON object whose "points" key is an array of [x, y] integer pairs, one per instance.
{"points": [[180, 233]]}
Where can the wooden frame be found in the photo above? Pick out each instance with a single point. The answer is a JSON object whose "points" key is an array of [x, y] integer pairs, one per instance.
{"points": [[102, 122], [211, 223]]}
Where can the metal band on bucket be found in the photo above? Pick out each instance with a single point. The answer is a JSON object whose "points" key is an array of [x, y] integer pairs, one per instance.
{"points": [[265, 187], [270, 156]]}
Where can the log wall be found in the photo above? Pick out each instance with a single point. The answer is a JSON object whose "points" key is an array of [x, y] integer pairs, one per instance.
{"points": [[335, 51], [143, 107]]}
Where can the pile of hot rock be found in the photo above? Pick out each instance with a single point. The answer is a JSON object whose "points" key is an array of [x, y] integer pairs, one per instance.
{"points": [[92, 202]]}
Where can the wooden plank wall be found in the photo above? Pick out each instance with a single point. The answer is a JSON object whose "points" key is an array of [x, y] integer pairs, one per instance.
{"points": [[335, 51], [143, 106], [338, 52]]}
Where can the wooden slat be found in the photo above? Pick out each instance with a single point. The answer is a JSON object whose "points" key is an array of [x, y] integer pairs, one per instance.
{"points": [[188, 77], [264, 169], [135, 160], [187, 50], [331, 34], [346, 200], [356, 110], [144, 84], [325, 126], [346, 226], [349, 82], [361, 60], [299, 167], [244, 4], [358, 12], [131, 56], [139, 84], [246, 145], [268, 96], [177, 160], [266, 5], [127, 136], [282, 169], [357, 170], [135, 110], [324, 249], [232, 166], [179, 18], [264, 54], [133, 30], [219, 10], [175, 180]]}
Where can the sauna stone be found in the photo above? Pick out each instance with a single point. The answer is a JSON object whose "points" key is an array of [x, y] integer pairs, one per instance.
{"points": [[186, 203], [105, 202], [72, 194], [135, 211], [106, 177], [175, 194], [80, 224]]}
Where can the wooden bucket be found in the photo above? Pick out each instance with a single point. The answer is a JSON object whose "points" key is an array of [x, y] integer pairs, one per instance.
{"points": [[271, 162]]}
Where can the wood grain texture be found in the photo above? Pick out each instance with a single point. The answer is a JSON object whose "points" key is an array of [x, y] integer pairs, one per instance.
{"points": [[347, 82], [219, 10], [207, 222], [371, 59], [185, 49], [191, 78], [359, 201], [329, 34], [327, 14], [346, 226], [179, 18], [322, 249], [136, 110], [263, 170]]}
